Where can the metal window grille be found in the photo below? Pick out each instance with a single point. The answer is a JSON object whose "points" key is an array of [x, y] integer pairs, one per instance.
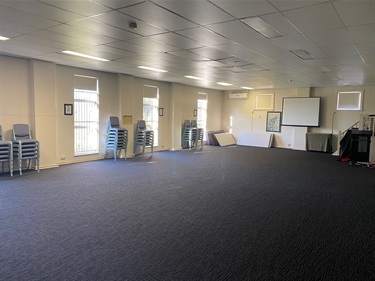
{"points": [[86, 122]]}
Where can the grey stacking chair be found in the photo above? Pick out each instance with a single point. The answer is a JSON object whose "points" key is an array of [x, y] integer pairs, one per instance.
{"points": [[24, 146], [186, 134], [6, 153], [143, 138], [117, 138]]}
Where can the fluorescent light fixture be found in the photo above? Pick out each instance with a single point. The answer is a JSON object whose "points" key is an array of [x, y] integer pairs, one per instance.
{"points": [[83, 55], [302, 54], [224, 84], [262, 27], [151, 68], [247, 88], [3, 38], [193, 77]]}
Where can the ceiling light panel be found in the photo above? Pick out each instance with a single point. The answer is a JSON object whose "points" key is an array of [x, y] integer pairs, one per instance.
{"points": [[302, 54], [152, 68], [262, 27], [84, 55]]}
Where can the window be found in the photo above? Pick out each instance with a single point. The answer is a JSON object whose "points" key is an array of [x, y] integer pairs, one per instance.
{"points": [[86, 116], [349, 100], [202, 112], [151, 110]]}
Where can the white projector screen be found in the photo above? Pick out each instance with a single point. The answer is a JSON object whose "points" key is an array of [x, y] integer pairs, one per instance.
{"points": [[301, 111]]}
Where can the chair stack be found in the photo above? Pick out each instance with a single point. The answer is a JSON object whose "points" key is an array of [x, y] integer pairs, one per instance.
{"points": [[6, 153], [143, 138], [117, 138], [191, 134], [24, 146], [186, 134]]}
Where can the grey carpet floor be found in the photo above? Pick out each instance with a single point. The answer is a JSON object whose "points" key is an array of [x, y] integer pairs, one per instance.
{"points": [[220, 213]]}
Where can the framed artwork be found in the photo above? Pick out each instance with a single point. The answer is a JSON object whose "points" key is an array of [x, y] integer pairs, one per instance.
{"points": [[273, 121], [161, 111], [68, 109]]}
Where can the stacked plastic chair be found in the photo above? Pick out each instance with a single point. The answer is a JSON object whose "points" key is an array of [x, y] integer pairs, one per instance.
{"points": [[6, 153], [143, 138], [24, 146], [117, 138], [187, 134]]}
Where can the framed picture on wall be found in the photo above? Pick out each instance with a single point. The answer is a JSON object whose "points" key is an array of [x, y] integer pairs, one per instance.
{"points": [[273, 121], [68, 109]]}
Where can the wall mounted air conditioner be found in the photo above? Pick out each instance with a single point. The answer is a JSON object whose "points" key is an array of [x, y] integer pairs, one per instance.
{"points": [[238, 96]]}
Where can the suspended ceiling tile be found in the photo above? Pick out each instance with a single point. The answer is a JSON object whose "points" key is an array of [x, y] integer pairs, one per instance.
{"points": [[104, 29], [204, 36], [58, 37], [281, 24], [362, 33], [348, 50], [85, 8], [366, 48], [16, 27], [201, 12], [234, 61], [324, 38], [8, 33], [157, 16], [316, 53], [83, 35], [314, 18], [177, 40], [154, 45], [111, 50], [236, 31], [294, 42], [43, 10], [213, 54], [127, 46], [244, 9], [20, 17], [117, 4], [188, 55], [293, 4], [119, 20], [356, 12]]}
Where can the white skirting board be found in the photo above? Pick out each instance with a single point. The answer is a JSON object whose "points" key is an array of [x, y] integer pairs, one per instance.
{"points": [[255, 139], [225, 139]]}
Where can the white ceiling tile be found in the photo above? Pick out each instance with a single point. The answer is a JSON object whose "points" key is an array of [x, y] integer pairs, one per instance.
{"points": [[157, 16], [188, 55], [129, 47], [43, 10], [356, 12], [104, 29], [245, 9], [293, 4], [236, 31], [16, 27], [85, 8], [366, 48], [362, 33], [119, 20], [213, 54], [317, 17], [11, 14], [281, 24], [154, 45], [324, 38], [294, 42], [177, 40], [342, 51], [204, 36], [81, 34], [201, 12], [117, 4]]}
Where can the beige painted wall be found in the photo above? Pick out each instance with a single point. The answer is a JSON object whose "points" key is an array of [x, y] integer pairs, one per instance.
{"points": [[34, 92], [246, 118]]}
